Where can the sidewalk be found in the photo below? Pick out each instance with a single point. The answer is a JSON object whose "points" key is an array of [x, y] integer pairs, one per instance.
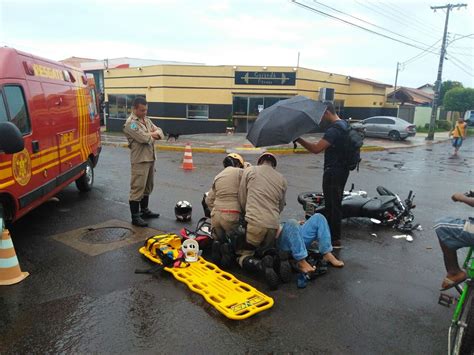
{"points": [[237, 143]]}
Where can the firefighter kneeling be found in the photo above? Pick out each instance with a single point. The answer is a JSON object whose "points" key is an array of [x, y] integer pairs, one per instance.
{"points": [[260, 192]]}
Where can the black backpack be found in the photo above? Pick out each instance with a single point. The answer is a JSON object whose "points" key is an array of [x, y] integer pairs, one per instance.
{"points": [[350, 148]]}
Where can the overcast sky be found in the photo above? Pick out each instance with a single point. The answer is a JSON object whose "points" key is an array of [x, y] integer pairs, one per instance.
{"points": [[250, 32]]}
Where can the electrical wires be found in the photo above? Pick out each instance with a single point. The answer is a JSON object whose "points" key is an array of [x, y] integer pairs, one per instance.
{"points": [[310, 8]]}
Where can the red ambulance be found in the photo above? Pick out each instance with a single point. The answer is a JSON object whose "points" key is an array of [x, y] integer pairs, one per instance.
{"points": [[53, 107]]}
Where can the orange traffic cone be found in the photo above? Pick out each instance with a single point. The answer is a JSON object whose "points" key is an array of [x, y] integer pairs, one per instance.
{"points": [[188, 158], [10, 272]]}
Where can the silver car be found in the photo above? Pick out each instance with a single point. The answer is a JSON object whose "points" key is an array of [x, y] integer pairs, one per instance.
{"points": [[386, 127]]}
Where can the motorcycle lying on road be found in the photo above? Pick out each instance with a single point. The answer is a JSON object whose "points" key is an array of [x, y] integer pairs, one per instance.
{"points": [[386, 209]]}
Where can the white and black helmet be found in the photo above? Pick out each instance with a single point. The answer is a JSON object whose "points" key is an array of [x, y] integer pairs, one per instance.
{"points": [[183, 211]]}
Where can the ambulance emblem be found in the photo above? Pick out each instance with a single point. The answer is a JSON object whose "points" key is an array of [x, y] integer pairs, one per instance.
{"points": [[21, 166]]}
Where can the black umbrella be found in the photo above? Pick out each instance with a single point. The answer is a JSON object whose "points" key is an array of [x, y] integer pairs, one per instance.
{"points": [[285, 121]]}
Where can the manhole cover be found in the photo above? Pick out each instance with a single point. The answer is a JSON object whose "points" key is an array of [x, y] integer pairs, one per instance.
{"points": [[105, 235]]}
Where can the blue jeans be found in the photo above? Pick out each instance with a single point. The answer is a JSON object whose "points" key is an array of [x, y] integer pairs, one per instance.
{"points": [[457, 142], [450, 232], [296, 238]]}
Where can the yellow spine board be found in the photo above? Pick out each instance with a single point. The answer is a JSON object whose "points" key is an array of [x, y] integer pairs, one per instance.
{"points": [[231, 297]]}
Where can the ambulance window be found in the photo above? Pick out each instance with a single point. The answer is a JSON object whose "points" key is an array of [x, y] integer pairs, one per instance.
{"points": [[3, 110], [17, 108]]}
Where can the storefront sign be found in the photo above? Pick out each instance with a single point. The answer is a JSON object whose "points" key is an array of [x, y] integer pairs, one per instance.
{"points": [[264, 78]]}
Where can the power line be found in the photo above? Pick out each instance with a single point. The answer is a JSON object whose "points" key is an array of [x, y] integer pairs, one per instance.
{"points": [[420, 55], [355, 25], [463, 54], [461, 63], [460, 36], [461, 68], [367, 22], [405, 14], [401, 21], [408, 23]]}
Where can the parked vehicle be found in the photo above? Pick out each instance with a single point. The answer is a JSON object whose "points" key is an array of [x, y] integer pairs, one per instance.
{"points": [[53, 107], [386, 127], [469, 117], [386, 209]]}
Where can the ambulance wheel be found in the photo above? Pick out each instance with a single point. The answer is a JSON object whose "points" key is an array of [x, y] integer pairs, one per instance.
{"points": [[85, 182]]}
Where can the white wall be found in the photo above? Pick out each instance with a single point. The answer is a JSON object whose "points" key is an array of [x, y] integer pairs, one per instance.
{"points": [[423, 116]]}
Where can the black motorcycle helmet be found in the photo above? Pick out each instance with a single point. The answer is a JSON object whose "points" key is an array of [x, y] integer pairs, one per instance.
{"points": [[183, 211]]}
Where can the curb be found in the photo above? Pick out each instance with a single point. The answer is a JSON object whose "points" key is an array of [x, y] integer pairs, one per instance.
{"points": [[281, 151], [304, 151], [172, 148]]}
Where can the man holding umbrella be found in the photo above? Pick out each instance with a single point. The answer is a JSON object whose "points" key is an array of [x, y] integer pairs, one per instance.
{"points": [[336, 170], [286, 121]]}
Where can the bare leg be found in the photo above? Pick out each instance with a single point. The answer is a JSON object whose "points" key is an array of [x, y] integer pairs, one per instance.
{"points": [[454, 273], [450, 260]]}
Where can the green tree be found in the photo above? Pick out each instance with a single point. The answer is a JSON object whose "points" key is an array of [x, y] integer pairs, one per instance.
{"points": [[445, 87], [459, 99]]}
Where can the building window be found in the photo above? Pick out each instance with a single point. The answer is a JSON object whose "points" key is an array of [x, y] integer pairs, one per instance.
{"points": [[199, 112], [16, 108], [252, 105], [240, 105], [120, 106]]}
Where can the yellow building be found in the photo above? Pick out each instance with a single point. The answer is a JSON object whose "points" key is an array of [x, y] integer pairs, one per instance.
{"points": [[186, 99]]}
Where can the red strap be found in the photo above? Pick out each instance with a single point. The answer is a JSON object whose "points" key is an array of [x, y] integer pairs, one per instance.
{"points": [[229, 211]]}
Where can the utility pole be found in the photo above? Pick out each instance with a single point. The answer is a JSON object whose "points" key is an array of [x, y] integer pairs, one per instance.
{"points": [[434, 109], [394, 98]]}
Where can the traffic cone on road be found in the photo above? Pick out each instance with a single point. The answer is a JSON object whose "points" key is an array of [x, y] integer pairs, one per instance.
{"points": [[188, 158], [10, 272]]}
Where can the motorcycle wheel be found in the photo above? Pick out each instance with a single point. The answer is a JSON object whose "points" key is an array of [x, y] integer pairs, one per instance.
{"points": [[312, 197]]}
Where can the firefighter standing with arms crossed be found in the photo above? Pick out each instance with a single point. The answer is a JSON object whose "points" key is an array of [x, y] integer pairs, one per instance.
{"points": [[141, 134]]}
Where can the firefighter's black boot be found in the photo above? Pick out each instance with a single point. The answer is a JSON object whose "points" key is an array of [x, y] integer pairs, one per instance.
{"points": [[264, 267], [145, 212], [135, 210], [227, 256], [216, 252], [282, 266]]}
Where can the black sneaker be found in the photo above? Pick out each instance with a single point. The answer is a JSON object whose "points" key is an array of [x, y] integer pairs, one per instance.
{"points": [[139, 222], [269, 274], [149, 214]]}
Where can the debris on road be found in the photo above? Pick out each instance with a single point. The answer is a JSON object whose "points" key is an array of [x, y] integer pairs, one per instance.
{"points": [[408, 238]]}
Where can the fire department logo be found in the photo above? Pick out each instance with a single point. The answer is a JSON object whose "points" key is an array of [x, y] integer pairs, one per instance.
{"points": [[21, 166]]}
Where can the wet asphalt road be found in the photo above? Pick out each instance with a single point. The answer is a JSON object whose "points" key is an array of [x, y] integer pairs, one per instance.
{"points": [[384, 300]]}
